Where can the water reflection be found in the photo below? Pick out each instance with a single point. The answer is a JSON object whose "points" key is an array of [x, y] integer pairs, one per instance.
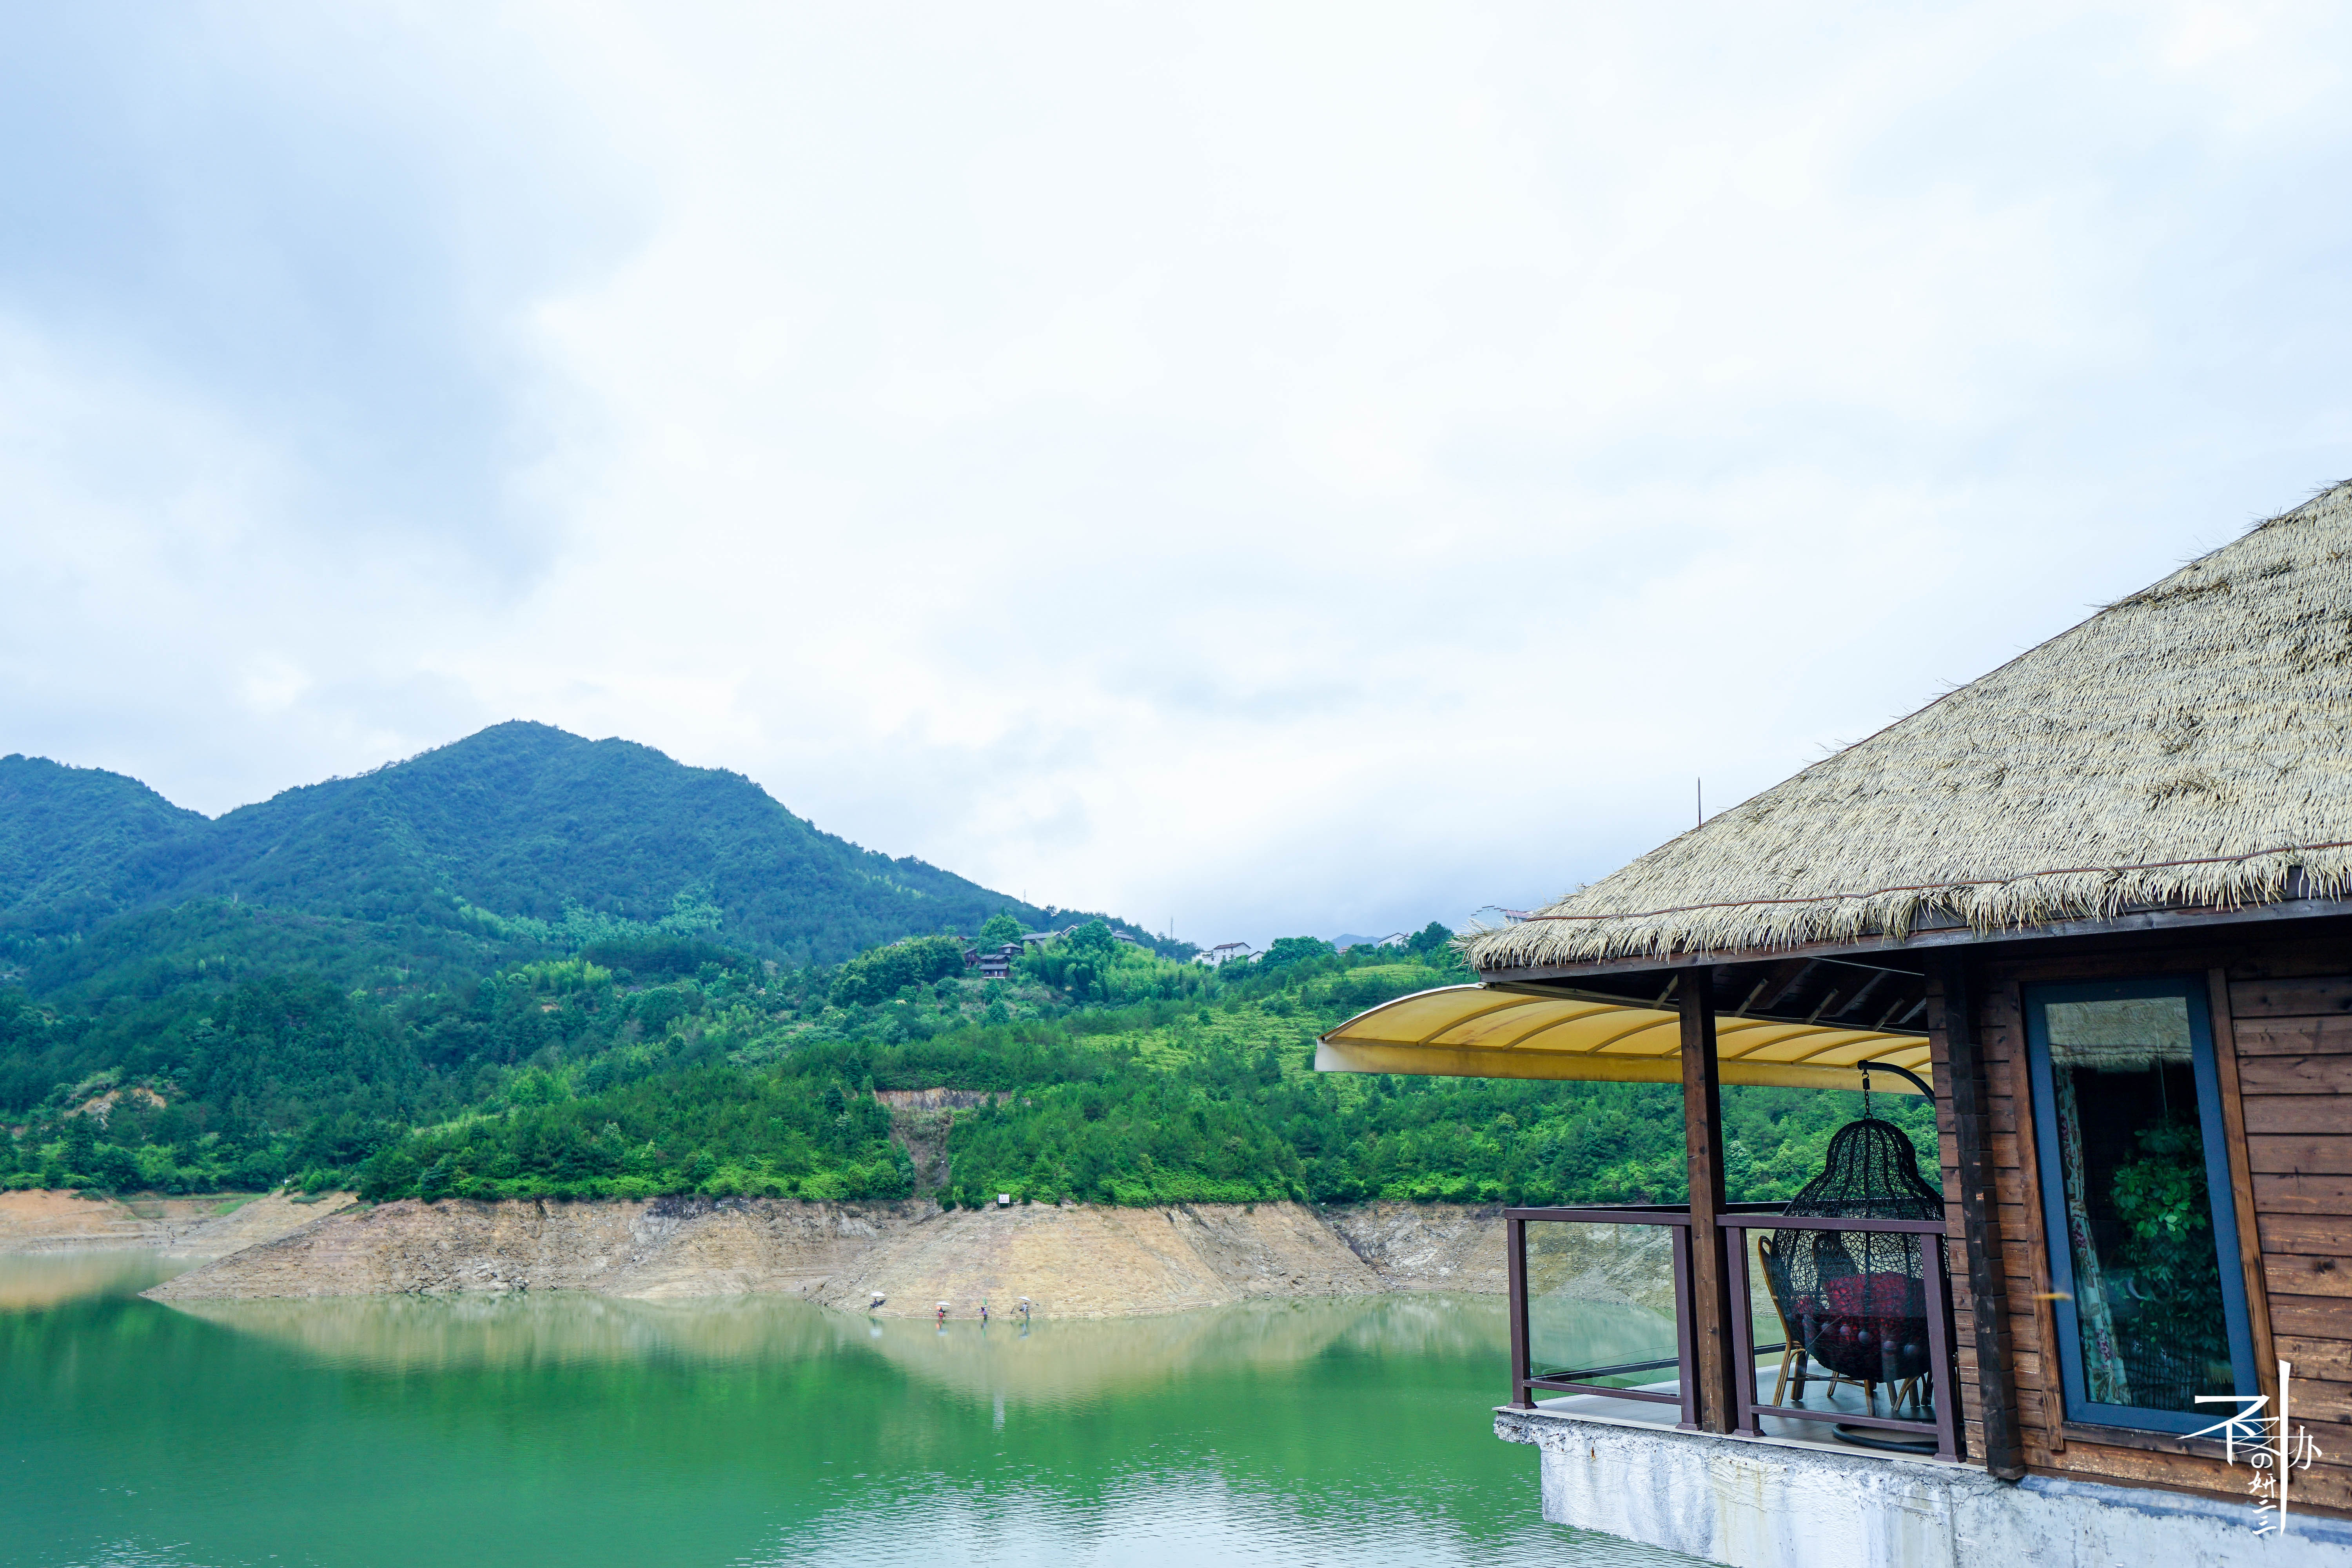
{"points": [[1045, 1361], [412, 1333], [1088, 1359], [47, 1279], [588, 1430]]}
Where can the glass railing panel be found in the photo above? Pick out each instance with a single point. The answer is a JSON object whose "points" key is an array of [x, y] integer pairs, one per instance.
{"points": [[1602, 1295]]}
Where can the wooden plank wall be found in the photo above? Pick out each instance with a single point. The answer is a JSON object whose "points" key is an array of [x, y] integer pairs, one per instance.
{"points": [[2291, 1014], [2290, 1019]]}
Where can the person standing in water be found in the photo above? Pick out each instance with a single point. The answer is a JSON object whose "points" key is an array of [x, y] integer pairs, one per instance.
{"points": [[943, 1314], [983, 1313]]}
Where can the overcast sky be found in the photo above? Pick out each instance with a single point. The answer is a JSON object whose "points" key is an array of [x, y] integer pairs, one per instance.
{"points": [[1277, 469]]}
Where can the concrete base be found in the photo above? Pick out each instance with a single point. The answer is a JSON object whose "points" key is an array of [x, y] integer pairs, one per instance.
{"points": [[1770, 1503]]}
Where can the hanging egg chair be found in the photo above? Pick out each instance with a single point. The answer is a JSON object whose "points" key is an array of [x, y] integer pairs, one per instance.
{"points": [[1858, 1300]]}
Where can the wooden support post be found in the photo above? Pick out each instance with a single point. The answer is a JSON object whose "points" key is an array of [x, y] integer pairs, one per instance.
{"points": [[1710, 1297], [1961, 1076]]}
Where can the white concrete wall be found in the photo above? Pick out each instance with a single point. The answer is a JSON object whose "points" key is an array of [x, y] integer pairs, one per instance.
{"points": [[1755, 1504]]}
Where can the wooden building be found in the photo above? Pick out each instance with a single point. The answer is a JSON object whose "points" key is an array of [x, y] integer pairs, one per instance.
{"points": [[2099, 901]]}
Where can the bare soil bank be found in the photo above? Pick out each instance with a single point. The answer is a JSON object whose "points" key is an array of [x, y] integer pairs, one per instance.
{"points": [[213, 1226], [1079, 1261]]}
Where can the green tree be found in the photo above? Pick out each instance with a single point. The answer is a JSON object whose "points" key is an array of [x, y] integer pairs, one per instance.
{"points": [[1292, 949], [1001, 929], [389, 1173], [1093, 937], [114, 1168], [81, 1145], [878, 975], [433, 1184], [1430, 938]]}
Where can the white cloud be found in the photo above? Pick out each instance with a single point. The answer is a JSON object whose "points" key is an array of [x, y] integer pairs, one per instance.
{"points": [[1297, 469]]}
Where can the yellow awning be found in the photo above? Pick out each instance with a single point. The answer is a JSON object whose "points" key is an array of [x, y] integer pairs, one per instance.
{"points": [[1478, 1031]]}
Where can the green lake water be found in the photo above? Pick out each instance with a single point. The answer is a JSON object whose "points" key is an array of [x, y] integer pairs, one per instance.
{"points": [[585, 1430]]}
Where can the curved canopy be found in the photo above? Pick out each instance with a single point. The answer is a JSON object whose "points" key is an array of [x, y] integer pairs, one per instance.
{"points": [[1481, 1031]]}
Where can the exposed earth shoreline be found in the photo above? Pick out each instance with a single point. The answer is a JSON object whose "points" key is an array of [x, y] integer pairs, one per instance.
{"points": [[1070, 1261], [1074, 1261], [210, 1226]]}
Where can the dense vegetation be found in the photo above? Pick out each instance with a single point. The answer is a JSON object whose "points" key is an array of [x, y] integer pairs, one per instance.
{"points": [[668, 1066], [529, 964]]}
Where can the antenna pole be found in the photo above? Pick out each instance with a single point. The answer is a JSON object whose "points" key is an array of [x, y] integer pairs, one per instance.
{"points": [[1698, 790]]}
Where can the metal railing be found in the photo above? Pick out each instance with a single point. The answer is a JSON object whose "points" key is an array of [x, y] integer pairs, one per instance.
{"points": [[1525, 1382], [1944, 1422], [1735, 1221]]}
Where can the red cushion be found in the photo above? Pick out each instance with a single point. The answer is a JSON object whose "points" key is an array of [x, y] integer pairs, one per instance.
{"points": [[1871, 1295]]}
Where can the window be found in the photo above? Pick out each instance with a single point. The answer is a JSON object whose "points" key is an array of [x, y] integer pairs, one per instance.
{"points": [[2151, 1304]]}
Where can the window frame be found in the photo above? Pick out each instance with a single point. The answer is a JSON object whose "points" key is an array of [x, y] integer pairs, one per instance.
{"points": [[2237, 1321]]}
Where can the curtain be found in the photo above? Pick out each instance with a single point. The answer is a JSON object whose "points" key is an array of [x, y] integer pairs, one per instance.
{"points": [[2102, 1368]]}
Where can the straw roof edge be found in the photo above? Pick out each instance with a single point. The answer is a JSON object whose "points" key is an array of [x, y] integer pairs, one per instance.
{"points": [[2188, 747]]}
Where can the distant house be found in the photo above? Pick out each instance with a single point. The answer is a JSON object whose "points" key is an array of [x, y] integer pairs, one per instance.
{"points": [[996, 963], [1122, 936], [1224, 953]]}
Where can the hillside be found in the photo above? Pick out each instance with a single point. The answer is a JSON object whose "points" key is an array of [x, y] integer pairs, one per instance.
{"points": [[531, 966], [73, 841], [126, 922], [522, 832], [1097, 1073]]}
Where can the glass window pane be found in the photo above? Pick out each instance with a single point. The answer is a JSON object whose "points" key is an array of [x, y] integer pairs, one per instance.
{"points": [[2137, 1209]]}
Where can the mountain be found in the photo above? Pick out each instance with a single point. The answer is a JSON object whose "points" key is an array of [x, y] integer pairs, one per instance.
{"points": [[529, 965], [522, 833], [70, 837]]}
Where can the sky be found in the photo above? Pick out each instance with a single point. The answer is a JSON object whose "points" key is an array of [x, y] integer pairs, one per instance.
{"points": [[1255, 469]]}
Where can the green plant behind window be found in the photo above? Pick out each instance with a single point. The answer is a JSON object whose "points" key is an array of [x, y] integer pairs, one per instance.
{"points": [[2169, 1245]]}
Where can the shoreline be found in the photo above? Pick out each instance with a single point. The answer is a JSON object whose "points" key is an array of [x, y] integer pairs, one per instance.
{"points": [[48, 1222], [1070, 1261]]}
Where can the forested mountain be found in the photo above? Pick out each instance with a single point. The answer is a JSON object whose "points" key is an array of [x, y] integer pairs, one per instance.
{"points": [[73, 840], [509, 833], [530, 965], [125, 921]]}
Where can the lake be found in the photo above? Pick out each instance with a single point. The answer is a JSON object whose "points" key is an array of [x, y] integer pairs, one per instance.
{"points": [[586, 1430]]}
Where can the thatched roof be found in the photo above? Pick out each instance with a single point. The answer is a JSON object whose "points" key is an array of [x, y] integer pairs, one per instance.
{"points": [[2188, 745]]}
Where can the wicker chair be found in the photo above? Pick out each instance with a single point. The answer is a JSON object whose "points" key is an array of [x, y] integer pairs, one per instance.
{"points": [[1794, 1359]]}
